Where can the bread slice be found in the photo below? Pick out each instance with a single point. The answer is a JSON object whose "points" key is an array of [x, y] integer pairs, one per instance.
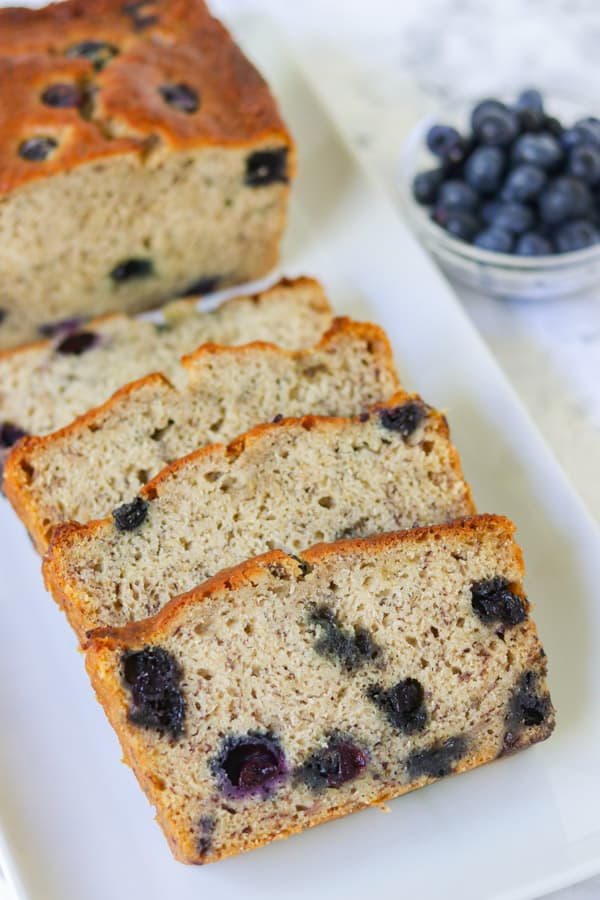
{"points": [[100, 461], [45, 385], [293, 690], [283, 485]]}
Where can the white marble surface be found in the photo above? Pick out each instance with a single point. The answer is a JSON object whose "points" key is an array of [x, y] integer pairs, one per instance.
{"points": [[382, 64]]}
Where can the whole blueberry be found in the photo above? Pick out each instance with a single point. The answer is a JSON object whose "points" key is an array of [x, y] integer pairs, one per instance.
{"points": [[530, 109], [494, 123], [484, 169], [458, 223], [455, 194], [446, 143], [584, 163], [497, 239], [564, 198], [523, 182], [425, 186], [513, 217], [533, 244], [542, 150], [589, 130], [576, 235]]}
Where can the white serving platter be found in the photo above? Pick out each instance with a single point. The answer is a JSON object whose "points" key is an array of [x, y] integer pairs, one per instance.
{"points": [[74, 824]]}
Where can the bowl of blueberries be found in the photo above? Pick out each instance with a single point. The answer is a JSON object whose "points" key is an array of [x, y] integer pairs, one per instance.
{"points": [[507, 196]]}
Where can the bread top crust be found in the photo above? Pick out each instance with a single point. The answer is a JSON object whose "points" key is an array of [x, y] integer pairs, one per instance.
{"points": [[147, 46]]}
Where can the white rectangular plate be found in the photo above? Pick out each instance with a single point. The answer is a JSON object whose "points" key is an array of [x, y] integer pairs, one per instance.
{"points": [[74, 822]]}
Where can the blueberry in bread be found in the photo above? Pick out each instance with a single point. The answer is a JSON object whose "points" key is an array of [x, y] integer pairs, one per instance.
{"points": [[308, 738], [142, 156], [44, 386], [287, 485], [146, 425]]}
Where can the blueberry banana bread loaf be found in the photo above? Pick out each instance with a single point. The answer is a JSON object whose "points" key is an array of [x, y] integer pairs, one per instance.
{"points": [[100, 461], [142, 156], [286, 485], [358, 671], [44, 386]]}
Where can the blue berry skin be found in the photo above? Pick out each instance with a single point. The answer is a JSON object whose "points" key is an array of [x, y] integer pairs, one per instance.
{"points": [[484, 169], [563, 199], [488, 211], [496, 239], [530, 109], [533, 244], [584, 163], [494, 123], [542, 150], [553, 127], [524, 182], [576, 235], [446, 143], [426, 185], [455, 194], [513, 217], [589, 129], [458, 223]]}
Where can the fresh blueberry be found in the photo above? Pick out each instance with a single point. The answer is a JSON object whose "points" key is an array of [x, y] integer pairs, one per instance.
{"points": [[542, 150], [403, 704], [425, 186], [334, 765], [554, 127], [494, 123], [496, 239], [488, 210], [576, 235], [99, 53], [524, 182], [564, 198], [513, 217], [152, 675], [352, 648], [249, 764], [493, 601], [588, 130], [266, 167], [76, 343], [455, 194], [132, 268], [129, 516], [462, 225], [37, 149], [10, 434], [484, 169], [533, 244], [584, 163], [438, 761], [530, 109], [181, 97], [62, 95], [446, 143], [405, 419]]}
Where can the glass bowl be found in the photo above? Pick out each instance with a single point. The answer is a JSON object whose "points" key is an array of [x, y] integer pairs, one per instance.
{"points": [[497, 274]]}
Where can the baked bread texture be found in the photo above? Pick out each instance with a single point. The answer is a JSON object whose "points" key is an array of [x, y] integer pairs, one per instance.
{"points": [[102, 459], [292, 690], [44, 386], [287, 485], [142, 156]]}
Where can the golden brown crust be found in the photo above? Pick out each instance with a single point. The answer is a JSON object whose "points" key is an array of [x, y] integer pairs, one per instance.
{"points": [[157, 43], [20, 460]]}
